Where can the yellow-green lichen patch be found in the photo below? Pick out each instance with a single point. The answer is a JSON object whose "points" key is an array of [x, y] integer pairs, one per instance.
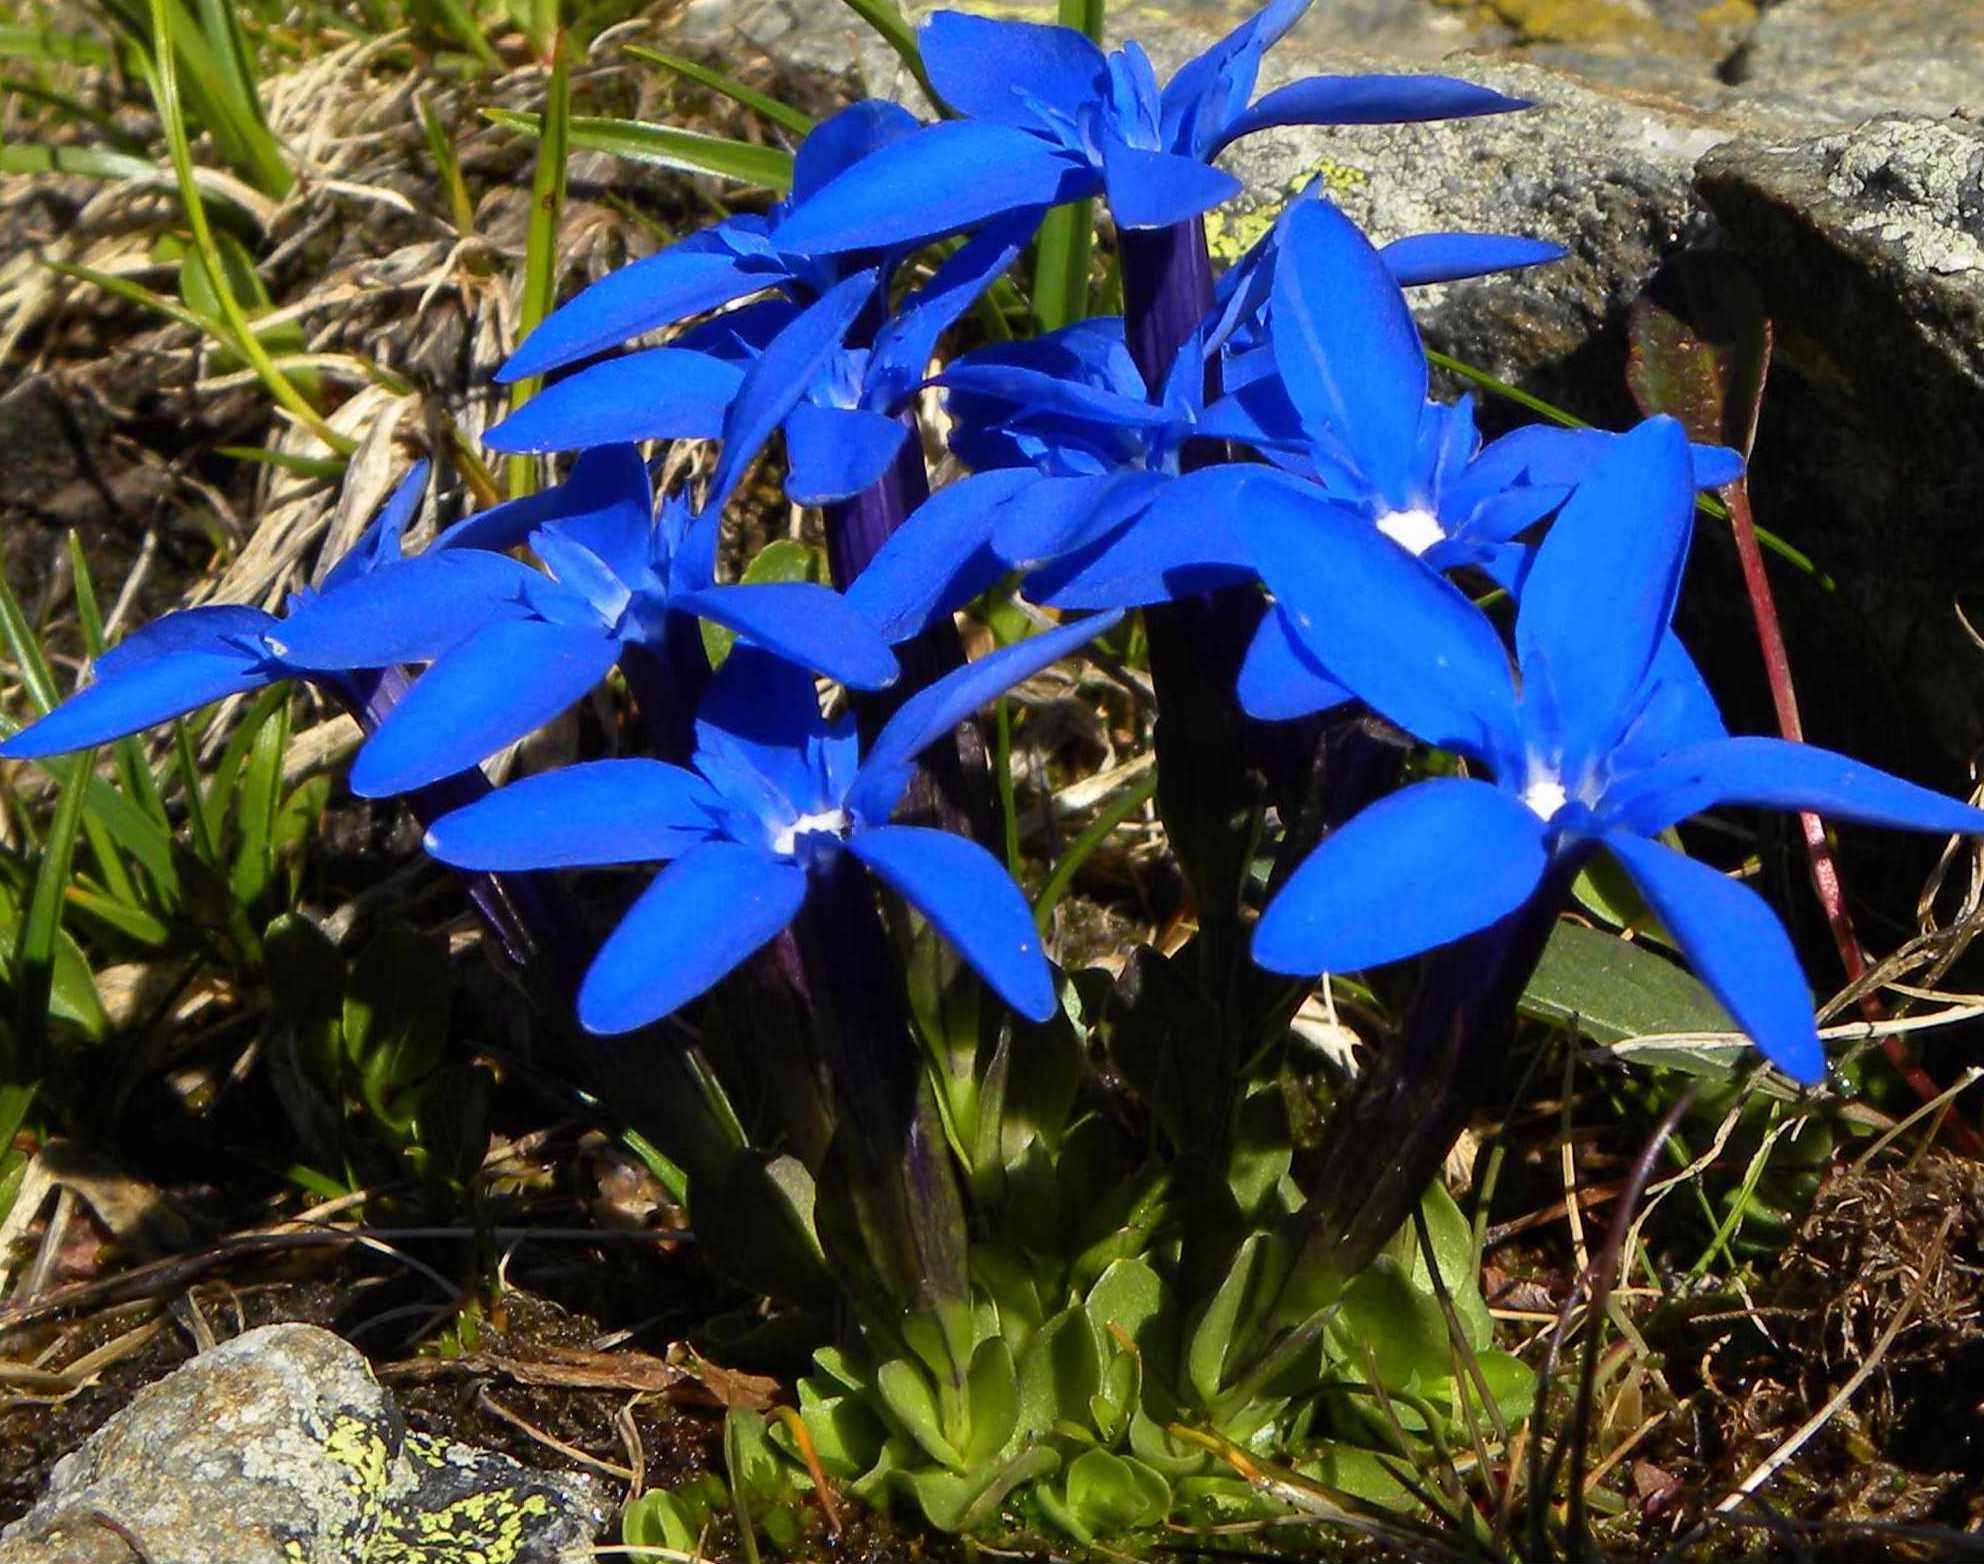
{"points": [[1231, 234], [489, 1527]]}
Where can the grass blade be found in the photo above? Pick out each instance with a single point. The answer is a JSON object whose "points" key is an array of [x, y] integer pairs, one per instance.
{"points": [[764, 168], [447, 163], [34, 948], [885, 16], [547, 205], [52, 47], [759, 103]]}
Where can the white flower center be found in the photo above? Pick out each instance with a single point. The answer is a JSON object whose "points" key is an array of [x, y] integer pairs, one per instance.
{"points": [[832, 820], [1545, 795], [1414, 530]]}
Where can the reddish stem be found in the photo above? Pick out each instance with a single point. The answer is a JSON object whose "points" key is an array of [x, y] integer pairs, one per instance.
{"points": [[1825, 867]]}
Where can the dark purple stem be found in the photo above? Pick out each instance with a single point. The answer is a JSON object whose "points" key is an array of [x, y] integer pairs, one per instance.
{"points": [[1385, 1141], [667, 683], [1167, 290]]}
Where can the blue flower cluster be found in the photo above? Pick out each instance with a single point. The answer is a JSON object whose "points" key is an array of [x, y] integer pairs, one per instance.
{"points": [[1273, 433]]}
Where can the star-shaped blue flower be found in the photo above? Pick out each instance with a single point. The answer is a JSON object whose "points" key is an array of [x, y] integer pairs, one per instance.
{"points": [[775, 795], [1050, 118], [1600, 737], [511, 647], [195, 656]]}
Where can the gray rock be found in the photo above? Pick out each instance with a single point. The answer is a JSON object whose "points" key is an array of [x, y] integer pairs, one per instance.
{"points": [[1846, 60], [1869, 247], [280, 1448]]}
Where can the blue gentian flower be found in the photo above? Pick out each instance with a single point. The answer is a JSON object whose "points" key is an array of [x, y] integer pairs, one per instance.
{"points": [[195, 656], [837, 399], [734, 259], [1599, 738], [1051, 118], [775, 795], [511, 647]]}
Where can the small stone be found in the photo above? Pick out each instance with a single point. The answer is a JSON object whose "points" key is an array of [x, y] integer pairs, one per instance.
{"points": [[279, 1447]]}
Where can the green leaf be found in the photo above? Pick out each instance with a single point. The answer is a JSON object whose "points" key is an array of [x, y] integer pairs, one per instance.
{"points": [[764, 168], [960, 1502], [1402, 1325], [396, 1021], [995, 1406], [778, 113], [908, 1394], [1612, 990], [35, 946], [1220, 1328], [1453, 1247], [1109, 1494], [781, 560], [1060, 1370], [658, 1519], [52, 47], [72, 990]]}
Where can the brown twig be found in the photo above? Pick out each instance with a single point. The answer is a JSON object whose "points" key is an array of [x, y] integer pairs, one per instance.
{"points": [[1826, 880]]}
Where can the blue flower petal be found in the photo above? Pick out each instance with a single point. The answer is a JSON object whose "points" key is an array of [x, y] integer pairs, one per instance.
{"points": [[938, 708], [1714, 466], [1183, 541], [1621, 540], [1423, 258], [1767, 773], [500, 685], [1737, 947], [836, 144], [412, 612], [598, 812], [1052, 516], [1207, 93], [1398, 634], [833, 453], [379, 545], [1279, 680], [988, 68], [811, 625], [775, 383], [142, 693], [762, 712], [606, 505], [1345, 344], [1367, 100], [222, 628], [1418, 869], [700, 918], [656, 394], [1149, 189], [908, 339], [939, 559], [686, 279], [971, 901], [943, 178]]}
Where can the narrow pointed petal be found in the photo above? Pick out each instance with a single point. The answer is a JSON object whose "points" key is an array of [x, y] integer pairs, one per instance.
{"points": [[1156, 189], [223, 629], [1398, 634], [1208, 92], [379, 545], [702, 916], [598, 812], [412, 612], [1737, 947], [762, 710], [1279, 680], [1767, 773], [811, 625], [775, 383], [943, 178], [1621, 538], [1418, 869], [1714, 466], [1368, 100], [836, 144], [1036, 394], [934, 711], [502, 684], [971, 901], [697, 275], [141, 694], [1052, 516], [607, 504], [833, 453], [1345, 343], [938, 560], [1182, 541], [981, 67], [656, 394], [1424, 258], [907, 341]]}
